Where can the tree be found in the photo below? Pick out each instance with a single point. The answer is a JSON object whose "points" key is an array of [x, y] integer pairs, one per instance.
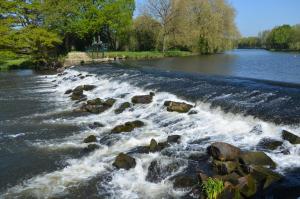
{"points": [[280, 37], [145, 32], [164, 12]]}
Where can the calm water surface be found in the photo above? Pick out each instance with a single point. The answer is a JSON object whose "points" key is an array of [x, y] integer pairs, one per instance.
{"points": [[241, 97]]}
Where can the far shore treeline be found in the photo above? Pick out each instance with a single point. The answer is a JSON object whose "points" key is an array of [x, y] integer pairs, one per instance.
{"points": [[282, 38], [45, 30]]}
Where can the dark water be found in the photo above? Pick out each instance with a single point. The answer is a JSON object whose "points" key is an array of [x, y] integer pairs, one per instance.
{"points": [[235, 93]]}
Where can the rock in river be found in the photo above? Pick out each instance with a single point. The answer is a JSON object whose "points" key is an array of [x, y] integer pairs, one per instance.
{"points": [[128, 126], [256, 158], [292, 138], [142, 99], [90, 139], [179, 107], [269, 144], [122, 107], [124, 161], [223, 151]]}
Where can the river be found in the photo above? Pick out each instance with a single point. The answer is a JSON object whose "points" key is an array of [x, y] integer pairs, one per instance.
{"points": [[241, 97]]}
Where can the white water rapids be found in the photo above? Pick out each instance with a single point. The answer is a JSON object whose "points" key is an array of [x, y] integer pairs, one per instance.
{"points": [[212, 124]]}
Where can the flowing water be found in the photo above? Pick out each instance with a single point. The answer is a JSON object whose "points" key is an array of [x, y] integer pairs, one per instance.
{"points": [[244, 97]]}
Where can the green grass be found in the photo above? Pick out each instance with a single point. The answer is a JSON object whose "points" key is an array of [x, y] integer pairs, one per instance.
{"points": [[213, 187], [143, 54], [8, 64]]}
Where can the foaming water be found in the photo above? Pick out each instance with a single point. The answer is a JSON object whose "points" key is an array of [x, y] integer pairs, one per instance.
{"points": [[210, 124]]}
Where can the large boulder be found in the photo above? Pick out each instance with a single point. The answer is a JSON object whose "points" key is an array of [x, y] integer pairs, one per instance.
{"points": [[90, 138], [124, 161], [128, 126], [264, 176], [256, 158], [292, 138], [179, 107], [142, 99], [269, 144], [122, 107], [223, 151]]}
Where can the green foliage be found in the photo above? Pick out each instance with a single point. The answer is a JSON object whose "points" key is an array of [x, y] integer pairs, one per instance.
{"points": [[285, 38], [249, 42], [213, 187]]}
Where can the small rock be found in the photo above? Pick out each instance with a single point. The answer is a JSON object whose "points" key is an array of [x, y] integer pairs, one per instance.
{"points": [[124, 161], [179, 107], [192, 112], [173, 139], [269, 144], [292, 138], [128, 126], [142, 99], [153, 145], [90, 148], [122, 107], [96, 125], [90, 138], [223, 151], [69, 91]]}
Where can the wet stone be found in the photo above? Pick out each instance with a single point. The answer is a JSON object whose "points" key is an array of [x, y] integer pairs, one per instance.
{"points": [[90, 138], [124, 161]]}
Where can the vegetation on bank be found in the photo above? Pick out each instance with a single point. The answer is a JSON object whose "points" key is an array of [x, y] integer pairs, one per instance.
{"points": [[281, 38], [141, 54], [45, 30]]}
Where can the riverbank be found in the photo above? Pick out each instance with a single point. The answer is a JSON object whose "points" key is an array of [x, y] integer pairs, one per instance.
{"points": [[80, 58], [9, 64]]}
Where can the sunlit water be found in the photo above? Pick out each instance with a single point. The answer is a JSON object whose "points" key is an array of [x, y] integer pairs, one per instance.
{"points": [[41, 140]]}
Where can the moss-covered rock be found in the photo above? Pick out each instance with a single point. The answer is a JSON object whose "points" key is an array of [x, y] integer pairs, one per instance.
{"points": [[184, 181], [247, 186], [124, 161], [292, 138], [264, 176], [123, 107], [256, 158], [90, 138], [225, 167], [179, 107], [223, 151], [153, 145], [128, 126]]}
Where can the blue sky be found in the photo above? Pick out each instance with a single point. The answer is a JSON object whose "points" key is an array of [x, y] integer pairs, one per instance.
{"points": [[254, 16]]}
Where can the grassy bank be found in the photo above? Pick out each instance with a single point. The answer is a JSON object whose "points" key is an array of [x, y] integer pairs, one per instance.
{"points": [[8, 64], [142, 54]]}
